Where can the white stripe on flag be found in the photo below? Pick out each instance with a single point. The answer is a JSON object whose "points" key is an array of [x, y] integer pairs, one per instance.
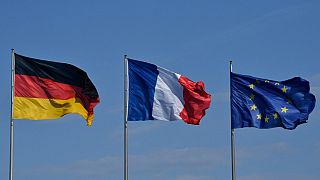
{"points": [[168, 97]]}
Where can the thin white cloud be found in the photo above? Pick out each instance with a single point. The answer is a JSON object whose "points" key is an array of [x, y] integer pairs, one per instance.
{"points": [[197, 160], [245, 153], [267, 176], [99, 167], [174, 164], [180, 159], [254, 177], [192, 177]]}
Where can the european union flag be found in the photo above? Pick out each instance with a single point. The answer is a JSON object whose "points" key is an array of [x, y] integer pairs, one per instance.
{"points": [[264, 104]]}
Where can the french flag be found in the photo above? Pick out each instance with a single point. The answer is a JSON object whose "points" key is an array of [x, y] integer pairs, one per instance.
{"points": [[156, 93]]}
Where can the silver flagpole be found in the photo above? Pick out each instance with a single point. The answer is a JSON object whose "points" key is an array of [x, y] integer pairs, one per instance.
{"points": [[233, 161], [11, 115], [125, 117]]}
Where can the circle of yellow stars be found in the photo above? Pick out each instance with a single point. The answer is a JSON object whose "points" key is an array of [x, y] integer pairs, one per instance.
{"points": [[275, 115]]}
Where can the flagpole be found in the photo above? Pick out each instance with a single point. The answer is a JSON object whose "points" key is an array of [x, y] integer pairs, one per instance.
{"points": [[11, 115], [125, 117], [233, 161]]}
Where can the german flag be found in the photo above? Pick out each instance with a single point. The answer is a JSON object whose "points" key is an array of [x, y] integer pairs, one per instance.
{"points": [[49, 90]]}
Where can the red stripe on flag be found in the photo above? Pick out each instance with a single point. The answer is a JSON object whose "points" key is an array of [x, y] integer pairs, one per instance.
{"points": [[196, 100], [36, 87]]}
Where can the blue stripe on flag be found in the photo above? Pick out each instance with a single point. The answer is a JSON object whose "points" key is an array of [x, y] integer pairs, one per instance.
{"points": [[142, 82]]}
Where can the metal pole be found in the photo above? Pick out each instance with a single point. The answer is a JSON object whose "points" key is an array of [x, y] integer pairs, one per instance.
{"points": [[233, 161], [125, 117], [11, 115]]}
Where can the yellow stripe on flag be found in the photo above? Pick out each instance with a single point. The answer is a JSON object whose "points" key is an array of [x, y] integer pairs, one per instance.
{"points": [[44, 109]]}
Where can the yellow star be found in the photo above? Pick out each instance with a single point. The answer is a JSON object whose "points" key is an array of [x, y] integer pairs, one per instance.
{"points": [[284, 109], [266, 119], [253, 107], [284, 89], [275, 116], [259, 116], [266, 81], [277, 84], [252, 97], [251, 86]]}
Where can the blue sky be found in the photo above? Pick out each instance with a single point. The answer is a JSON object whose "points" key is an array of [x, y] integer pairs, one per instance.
{"points": [[268, 39]]}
